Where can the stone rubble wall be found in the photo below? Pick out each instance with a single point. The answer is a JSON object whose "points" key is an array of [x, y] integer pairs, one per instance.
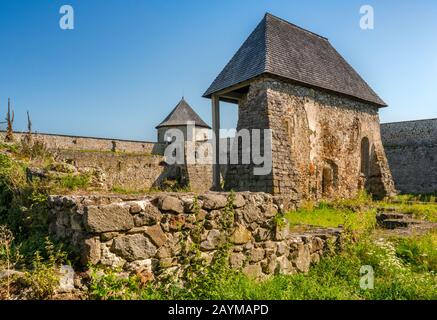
{"points": [[118, 170], [56, 141], [151, 234], [411, 149]]}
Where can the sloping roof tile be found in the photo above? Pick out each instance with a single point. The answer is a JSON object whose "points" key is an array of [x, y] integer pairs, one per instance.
{"points": [[283, 49]]}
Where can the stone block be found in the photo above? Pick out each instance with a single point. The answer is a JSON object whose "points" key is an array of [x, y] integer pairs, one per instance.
{"points": [[317, 244], [113, 217], [301, 257], [170, 204], [156, 234], [257, 255], [214, 201], [91, 251], [213, 239], [240, 235], [133, 247], [253, 271], [237, 260]]}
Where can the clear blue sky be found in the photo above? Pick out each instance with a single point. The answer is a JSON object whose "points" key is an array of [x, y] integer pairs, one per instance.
{"points": [[127, 63]]}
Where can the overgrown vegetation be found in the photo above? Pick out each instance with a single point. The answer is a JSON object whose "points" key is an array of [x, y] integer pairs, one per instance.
{"points": [[24, 215], [404, 268], [353, 214], [398, 276], [426, 210]]}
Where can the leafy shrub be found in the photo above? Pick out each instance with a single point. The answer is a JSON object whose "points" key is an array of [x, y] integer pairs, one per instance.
{"points": [[109, 285], [34, 148], [43, 278], [74, 182]]}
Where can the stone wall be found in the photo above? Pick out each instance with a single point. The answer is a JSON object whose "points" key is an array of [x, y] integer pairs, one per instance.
{"points": [[127, 171], [155, 233], [56, 141], [316, 143], [411, 149], [130, 165]]}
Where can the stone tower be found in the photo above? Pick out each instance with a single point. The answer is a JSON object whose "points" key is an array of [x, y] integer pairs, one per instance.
{"points": [[180, 118], [323, 116]]}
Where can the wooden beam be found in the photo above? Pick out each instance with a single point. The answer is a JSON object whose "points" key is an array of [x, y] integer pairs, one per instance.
{"points": [[215, 102]]}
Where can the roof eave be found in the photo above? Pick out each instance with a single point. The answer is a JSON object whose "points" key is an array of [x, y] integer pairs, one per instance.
{"points": [[180, 125], [208, 94]]}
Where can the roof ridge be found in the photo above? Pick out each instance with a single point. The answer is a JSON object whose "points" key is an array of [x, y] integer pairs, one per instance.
{"points": [[268, 14]]}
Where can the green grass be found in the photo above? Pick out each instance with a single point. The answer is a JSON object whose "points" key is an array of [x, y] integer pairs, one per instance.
{"points": [[330, 215], [125, 191], [432, 197], [425, 211], [74, 182], [420, 252]]}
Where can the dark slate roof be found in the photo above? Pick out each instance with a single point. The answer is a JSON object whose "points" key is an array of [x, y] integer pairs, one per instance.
{"points": [[283, 49], [180, 115]]}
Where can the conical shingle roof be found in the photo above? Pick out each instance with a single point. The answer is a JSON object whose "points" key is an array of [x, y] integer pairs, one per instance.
{"points": [[182, 114], [283, 49]]}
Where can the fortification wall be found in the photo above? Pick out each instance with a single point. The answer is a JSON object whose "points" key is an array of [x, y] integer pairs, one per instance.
{"points": [[411, 149], [56, 141], [155, 234]]}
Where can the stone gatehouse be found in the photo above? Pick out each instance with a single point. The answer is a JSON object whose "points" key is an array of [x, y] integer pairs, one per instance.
{"points": [[323, 116]]}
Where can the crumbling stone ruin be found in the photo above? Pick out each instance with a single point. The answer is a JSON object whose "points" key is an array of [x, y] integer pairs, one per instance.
{"points": [[323, 116], [154, 234]]}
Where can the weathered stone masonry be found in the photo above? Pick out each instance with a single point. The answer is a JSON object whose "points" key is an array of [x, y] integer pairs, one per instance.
{"points": [[62, 142], [119, 170], [317, 141], [411, 149], [149, 234]]}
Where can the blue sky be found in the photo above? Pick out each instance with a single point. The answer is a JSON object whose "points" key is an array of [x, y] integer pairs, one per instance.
{"points": [[128, 62]]}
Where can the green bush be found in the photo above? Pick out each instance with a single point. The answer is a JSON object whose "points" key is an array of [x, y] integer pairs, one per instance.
{"points": [[108, 285], [43, 278], [74, 182]]}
